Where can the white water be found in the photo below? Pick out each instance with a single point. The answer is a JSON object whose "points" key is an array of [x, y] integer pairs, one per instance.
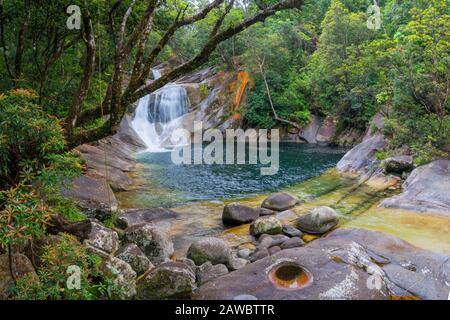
{"points": [[159, 114]]}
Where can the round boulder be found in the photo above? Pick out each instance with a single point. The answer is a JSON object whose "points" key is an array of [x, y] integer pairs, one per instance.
{"points": [[266, 225], [131, 254], [170, 280], [319, 221], [279, 202], [210, 249], [398, 164], [236, 214], [208, 271], [155, 243]]}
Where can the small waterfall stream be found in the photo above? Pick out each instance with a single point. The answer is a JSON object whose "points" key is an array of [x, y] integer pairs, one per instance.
{"points": [[159, 114]]}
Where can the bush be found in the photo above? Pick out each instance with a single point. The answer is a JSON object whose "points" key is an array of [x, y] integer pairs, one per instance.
{"points": [[53, 275]]}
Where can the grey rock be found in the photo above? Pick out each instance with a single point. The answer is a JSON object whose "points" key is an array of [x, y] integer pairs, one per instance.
{"points": [[274, 249], [123, 275], [259, 254], [155, 243], [21, 267], [425, 190], [292, 243], [208, 271], [237, 263], [243, 253], [244, 297], [210, 249], [102, 238], [131, 254], [267, 241], [319, 221], [266, 225], [291, 231], [134, 217], [170, 280], [279, 202], [362, 156], [236, 214], [398, 164], [266, 212]]}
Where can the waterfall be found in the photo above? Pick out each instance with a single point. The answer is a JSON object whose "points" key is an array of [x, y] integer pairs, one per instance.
{"points": [[159, 114]]}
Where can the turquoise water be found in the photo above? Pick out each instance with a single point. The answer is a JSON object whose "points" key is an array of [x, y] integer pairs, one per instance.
{"points": [[166, 184]]}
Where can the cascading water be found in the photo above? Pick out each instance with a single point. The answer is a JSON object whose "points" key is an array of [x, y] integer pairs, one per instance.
{"points": [[159, 114]]}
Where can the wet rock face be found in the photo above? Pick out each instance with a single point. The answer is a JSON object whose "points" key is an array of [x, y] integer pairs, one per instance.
{"points": [[21, 267], [319, 221], [123, 276], [236, 214], [266, 225], [208, 271], [279, 202], [102, 238], [425, 190], [210, 249], [326, 132], [170, 280], [131, 254], [398, 164], [154, 242]]}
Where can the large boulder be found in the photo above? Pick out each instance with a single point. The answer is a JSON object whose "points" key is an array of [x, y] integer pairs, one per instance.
{"points": [[210, 249], [309, 133], [398, 164], [266, 225], [133, 217], [236, 214], [123, 276], [279, 202], [102, 238], [361, 157], [170, 280], [154, 242], [319, 221], [21, 267], [426, 190], [93, 195], [131, 254], [326, 132], [208, 271]]}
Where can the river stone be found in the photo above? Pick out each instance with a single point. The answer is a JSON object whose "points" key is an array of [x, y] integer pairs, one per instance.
{"points": [[210, 249], [398, 164], [236, 214], [188, 262], [426, 190], [155, 243], [319, 221], [134, 217], [274, 249], [292, 243], [102, 238], [259, 254], [267, 241], [279, 202], [123, 276], [170, 280], [243, 253], [291, 231], [208, 271], [131, 254], [237, 263], [266, 212], [21, 267], [266, 225]]}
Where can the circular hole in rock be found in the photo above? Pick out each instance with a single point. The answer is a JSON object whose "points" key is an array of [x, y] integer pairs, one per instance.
{"points": [[290, 276]]}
